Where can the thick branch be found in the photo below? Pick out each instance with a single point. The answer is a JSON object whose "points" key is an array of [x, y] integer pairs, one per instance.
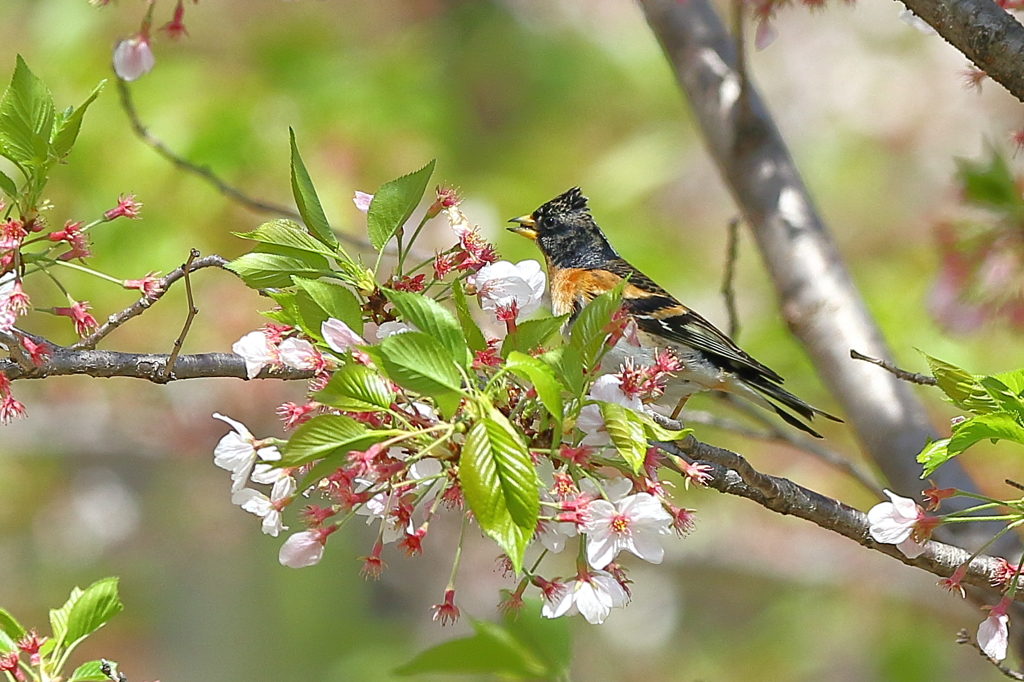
{"points": [[733, 475], [817, 295], [107, 364], [987, 35]]}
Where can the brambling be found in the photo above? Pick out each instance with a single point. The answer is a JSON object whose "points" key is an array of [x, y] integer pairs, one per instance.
{"points": [[582, 264]]}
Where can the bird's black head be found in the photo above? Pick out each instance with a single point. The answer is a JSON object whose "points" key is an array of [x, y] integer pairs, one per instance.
{"points": [[565, 232]]}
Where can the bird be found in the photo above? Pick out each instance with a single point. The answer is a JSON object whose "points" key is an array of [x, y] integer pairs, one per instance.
{"points": [[582, 264]]}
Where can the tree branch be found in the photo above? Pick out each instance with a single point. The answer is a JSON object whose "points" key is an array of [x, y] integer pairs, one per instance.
{"points": [[816, 293], [988, 35], [150, 366], [733, 475]]}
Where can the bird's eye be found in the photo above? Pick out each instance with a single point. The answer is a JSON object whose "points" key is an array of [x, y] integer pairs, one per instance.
{"points": [[547, 222]]}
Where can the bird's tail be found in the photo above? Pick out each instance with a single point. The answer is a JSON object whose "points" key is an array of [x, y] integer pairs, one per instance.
{"points": [[785, 404]]}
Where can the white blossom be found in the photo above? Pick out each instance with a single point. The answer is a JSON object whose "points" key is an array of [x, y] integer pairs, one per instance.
{"points": [[391, 328], [893, 523], [362, 201], [502, 285], [593, 594], [339, 336], [237, 452], [133, 58], [300, 354], [257, 351], [606, 388], [303, 549], [993, 633], [267, 508], [632, 523]]}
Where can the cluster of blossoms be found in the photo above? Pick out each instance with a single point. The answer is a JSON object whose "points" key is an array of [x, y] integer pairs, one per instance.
{"points": [[376, 439], [904, 523], [27, 247], [29, 644]]}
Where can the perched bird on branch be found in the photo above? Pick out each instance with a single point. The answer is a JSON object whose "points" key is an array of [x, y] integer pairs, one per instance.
{"points": [[582, 264]]}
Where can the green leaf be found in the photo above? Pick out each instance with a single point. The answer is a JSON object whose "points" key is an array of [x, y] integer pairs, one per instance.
{"points": [[431, 318], [89, 672], [656, 431], [324, 436], [543, 379], [311, 316], [418, 362], [626, 429], [307, 201], [474, 337], [265, 268], [530, 334], [933, 456], [356, 388], [492, 649], [589, 331], [66, 131], [6, 643], [335, 300], [991, 184], [393, 203], [565, 361], [8, 186], [26, 119], [59, 617], [500, 484], [547, 639], [1005, 398], [286, 233], [991, 426], [962, 388], [1013, 380], [10, 626], [96, 605]]}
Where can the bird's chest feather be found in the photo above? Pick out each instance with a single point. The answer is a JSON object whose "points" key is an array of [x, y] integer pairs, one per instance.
{"points": [[573, 288]]}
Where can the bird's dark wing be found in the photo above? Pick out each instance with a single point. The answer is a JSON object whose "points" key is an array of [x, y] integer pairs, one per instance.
{"points": [[657, 312]]}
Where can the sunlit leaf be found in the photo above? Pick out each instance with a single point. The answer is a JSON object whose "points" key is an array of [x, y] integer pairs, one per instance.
{"points": [[287, 233], [431, 318], [543, 379], [418, 362], [307, 201], [626, 430], [66, 131], [325, 435], [990, 426], [934, 455], [493, 649], [962, 388], [274, 266], [335, 300], [26, 118], [500, 484], [393, 203], [97, 604], [474, 337], [90, 671], [531, 334], [356, 388]]}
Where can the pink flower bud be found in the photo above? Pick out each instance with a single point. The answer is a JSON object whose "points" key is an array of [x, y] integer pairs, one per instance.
{"points": [[133, 58]]}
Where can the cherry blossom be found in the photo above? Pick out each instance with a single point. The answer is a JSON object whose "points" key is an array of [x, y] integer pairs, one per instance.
{"points": [[605, 389], [339, 336], [133, 57], [993, 633], [267, 508], [505, 286], [257, 351], [901, 522], [362, 201], [632, 523], [305, 548], [387, 329], [126, 207], [238, 451], [300, 354], [592, 593]]}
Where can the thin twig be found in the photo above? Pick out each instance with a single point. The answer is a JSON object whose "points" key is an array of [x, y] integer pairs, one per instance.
{"points": [[728, 280], [224, 188], [140, 306], [184, 164], [912, 377], [189, 316]]}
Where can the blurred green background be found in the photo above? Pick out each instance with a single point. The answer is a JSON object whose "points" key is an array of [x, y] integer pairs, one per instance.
{"points": [[518, 100]]}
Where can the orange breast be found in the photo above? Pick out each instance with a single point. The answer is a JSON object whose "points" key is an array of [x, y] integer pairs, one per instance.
{"points": [[570, 286]]}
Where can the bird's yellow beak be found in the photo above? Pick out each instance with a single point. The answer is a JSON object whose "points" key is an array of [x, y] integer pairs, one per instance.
{"points": [[526, 227]]}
